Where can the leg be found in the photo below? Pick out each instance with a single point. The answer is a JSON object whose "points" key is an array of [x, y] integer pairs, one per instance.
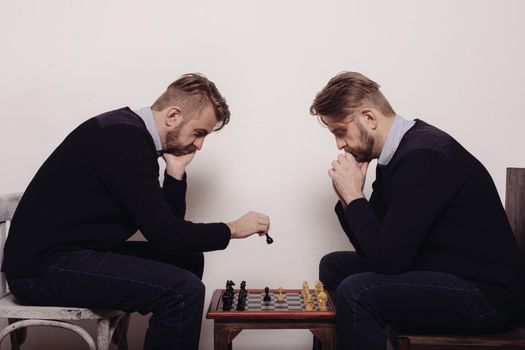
{"points": [[193, 262], [223, 335], [325, 337], [120, 335], [18, 336], [103, 340], [106, 280], [337, 266], [417, 301]]}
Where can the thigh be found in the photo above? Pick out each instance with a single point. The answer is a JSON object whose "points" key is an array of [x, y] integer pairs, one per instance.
{"points": [[336, 266], [421, 302], [108, 280], [193, 262]]}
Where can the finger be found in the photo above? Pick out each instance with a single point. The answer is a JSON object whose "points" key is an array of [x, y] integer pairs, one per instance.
{"points": [[263, 220], [342, 159], [349, 157], [331, 173], [263, 228]]}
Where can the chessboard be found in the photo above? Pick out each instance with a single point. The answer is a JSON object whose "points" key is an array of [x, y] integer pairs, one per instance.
{"points": [[293, 306]]}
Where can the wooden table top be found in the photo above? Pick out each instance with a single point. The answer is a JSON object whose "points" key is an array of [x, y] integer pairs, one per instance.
{"points": [[256, 312]]}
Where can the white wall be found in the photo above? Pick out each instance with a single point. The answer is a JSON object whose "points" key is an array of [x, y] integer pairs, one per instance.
{"points": [[455, 64]]}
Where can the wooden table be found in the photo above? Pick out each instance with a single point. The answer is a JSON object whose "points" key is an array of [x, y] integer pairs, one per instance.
{"points": [[228, 324]]}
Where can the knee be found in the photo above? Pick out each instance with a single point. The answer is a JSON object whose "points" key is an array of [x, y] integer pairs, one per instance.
{"points": [[194, 288], [326, 265], [352, 288]]}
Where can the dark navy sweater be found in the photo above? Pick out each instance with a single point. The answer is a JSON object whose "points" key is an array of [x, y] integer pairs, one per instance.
{"points": [[95, 191], [434, 207]]}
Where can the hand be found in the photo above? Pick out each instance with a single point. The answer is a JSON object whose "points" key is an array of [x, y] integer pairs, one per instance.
{"points": [[176, 165], [248, 224], [348, 177]]}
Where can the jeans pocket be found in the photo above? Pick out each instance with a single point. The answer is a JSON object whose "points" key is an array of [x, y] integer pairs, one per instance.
{"points": [[28, 292]]}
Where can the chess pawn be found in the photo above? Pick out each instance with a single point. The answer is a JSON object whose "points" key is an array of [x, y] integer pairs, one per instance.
{"points": [[280, 296], [267, 297], [308, 306], [322, 298], [305, 294], [309, 296]]}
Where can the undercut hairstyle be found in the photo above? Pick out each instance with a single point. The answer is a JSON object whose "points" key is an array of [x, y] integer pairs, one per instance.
{"points": [[192, 92], [346, 92]]}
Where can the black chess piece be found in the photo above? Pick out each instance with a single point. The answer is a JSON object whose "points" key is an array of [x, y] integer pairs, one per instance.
{"points": [[229, 287], [267, 297], [269, 240], [241, 304], [229, 284], [227, 302]]}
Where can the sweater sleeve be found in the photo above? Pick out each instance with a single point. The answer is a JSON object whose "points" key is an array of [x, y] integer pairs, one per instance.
{"points": [[175, 194], [422, 185], [125, 163], [339, 211]]}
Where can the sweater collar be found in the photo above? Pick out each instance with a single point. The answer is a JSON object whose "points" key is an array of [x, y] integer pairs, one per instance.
{"points": [[147, 116], [398, 129]]}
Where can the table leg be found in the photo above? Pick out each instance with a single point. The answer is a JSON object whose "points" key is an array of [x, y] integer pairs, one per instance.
{"points": [[325, 337], [223, 336]]}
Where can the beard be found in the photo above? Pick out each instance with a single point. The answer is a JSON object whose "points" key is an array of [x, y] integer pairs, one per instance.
{"points": [[174, 146], [364, 152]]}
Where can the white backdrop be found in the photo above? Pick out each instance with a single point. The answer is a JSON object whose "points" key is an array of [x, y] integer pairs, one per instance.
{"points": [[455, 64]]}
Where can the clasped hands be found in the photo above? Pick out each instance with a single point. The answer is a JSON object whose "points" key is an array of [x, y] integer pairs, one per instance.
{"points": [[348, 178]]}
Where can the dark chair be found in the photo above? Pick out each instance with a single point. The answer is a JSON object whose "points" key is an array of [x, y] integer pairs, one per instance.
{"points": [[513, 339]]}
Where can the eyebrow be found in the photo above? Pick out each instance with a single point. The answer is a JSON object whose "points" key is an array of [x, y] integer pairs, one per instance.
{"points": [[204, 131]]}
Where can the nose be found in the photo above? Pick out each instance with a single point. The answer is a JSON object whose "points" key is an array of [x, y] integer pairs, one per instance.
{"points": [[340, 142], [199, 142]]}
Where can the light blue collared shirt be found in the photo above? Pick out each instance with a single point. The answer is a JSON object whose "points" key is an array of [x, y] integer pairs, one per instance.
{"points": [[147, 116], [398, 129]]}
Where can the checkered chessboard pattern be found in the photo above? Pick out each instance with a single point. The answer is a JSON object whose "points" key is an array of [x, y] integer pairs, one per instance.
{"points": [[293, 301]]}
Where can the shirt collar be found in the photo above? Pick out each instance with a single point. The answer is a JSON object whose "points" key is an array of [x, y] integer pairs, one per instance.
{"points": [[147, 116], [399, 128]]}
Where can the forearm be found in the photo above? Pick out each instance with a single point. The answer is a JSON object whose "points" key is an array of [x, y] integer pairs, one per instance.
{"points": [[339, 211], [174, 192]]}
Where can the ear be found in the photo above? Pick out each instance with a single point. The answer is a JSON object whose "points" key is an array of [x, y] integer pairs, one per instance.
{"points": [[369, 117], [173, 116]]}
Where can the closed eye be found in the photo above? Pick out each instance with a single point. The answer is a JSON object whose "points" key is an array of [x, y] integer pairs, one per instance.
{"points": [[339, 132], [200, 133]]}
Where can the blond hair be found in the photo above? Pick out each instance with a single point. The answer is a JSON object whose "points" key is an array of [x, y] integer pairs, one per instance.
{"points": [[192, 92], [346, 92]]}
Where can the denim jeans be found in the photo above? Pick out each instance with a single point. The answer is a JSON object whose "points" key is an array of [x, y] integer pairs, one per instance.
{"points": [[416, 302], [135, 277]]}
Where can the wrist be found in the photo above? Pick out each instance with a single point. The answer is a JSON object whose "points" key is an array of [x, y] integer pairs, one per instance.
{"points": [[350, 198], [176, 172], [233, 229]]}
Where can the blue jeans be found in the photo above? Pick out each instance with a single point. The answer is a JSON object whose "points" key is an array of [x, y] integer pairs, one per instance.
{"points": [[134, 278], [415, 302]]}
